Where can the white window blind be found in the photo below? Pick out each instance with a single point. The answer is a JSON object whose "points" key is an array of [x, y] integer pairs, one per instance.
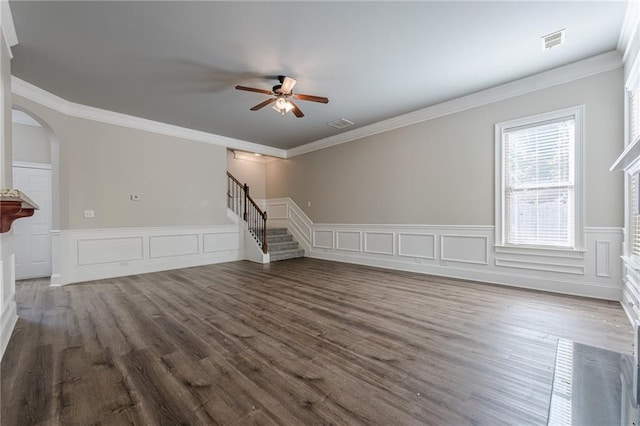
{"points": [[634, 129], [539, 183], [635, 216]]}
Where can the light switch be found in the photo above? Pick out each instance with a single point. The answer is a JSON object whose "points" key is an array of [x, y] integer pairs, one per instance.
{"points": [[89, 214], [135, 197], [308, 203]]}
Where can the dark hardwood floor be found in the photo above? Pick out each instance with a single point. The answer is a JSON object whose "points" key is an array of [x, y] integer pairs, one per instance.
{"points": [[301, 342]]}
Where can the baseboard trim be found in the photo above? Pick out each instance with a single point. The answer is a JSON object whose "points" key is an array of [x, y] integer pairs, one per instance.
{"points": [[582, 289]]}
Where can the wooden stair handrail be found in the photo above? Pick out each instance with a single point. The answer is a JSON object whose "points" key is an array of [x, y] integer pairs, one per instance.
{"points": [[247, 209]]}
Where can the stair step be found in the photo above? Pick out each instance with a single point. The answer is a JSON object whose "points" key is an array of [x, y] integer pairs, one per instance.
{"points": [[281, 246], [286, 254], [279, 238], [276, 231]]}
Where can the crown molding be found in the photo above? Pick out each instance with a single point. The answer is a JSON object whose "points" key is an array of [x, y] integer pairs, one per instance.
{"points": [[8, 28], [629, 28], [595, 65], [585, 68], [33, 93]]}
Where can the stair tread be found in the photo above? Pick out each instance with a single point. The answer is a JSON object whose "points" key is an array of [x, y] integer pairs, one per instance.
{"points": [[286, 255], [289, 251], [289, 245], [279, 238], [277, 231]]}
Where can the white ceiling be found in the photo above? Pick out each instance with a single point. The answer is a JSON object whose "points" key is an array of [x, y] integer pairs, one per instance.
{"points": [[178, 62]]}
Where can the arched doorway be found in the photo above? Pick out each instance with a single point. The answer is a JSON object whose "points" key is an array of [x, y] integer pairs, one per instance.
{"points": [[35, 172]]}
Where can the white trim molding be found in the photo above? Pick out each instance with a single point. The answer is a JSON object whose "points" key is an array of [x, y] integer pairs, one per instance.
{"points": [[578, 114], [591, 66], [628, 29], [8, 311], [8, 27], [461, 251], [565, 74], [92, 254], [33, 93], [29, 165]]}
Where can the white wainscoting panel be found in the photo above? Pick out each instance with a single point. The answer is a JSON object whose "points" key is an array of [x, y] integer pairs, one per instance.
{"points": [[109, 250], [323, 239], [91, 254], [349, 240], [299, 222], [8, 313], [220, 241], [173, 245], [602, 258], [421, 246], [466, 252], [464, 249], [277, 211], [379, 242]]}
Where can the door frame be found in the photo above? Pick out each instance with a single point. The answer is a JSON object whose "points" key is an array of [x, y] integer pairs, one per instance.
{"points": [[56, 220], [40, 166]]}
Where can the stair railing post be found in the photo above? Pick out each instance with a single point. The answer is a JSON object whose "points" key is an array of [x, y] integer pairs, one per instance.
{"points": [[264, 232], [246, 195]]}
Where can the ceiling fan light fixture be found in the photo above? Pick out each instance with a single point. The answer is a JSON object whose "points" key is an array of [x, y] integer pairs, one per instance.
{"points": [[282, 105], [281, 93]]}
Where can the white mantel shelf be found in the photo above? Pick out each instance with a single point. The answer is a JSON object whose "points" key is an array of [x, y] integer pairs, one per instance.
{"points": [[630, 154], [14, 205]]}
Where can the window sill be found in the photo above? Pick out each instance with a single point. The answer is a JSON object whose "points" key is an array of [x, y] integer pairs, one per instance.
{"points": [[568, 253], [630, 154]]}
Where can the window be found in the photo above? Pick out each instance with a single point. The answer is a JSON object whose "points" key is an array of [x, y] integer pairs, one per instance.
{"points": [[635, 215], [539, 181], [633, 129]]}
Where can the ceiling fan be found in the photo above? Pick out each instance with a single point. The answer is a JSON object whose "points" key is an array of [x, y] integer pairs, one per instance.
{"points": [[283, 93]]}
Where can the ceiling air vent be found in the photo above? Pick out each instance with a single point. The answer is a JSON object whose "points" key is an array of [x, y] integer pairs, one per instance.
{"points": [[341, 123], [553, 40]]}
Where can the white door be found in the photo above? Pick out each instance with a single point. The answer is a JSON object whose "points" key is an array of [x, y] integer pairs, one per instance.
{"points": [[33, 234]]}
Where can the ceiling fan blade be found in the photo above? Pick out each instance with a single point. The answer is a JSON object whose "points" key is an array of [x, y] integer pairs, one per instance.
{"points": [[263, 104], [287, 85], [253, 89], [320, 99], [296, 111]]}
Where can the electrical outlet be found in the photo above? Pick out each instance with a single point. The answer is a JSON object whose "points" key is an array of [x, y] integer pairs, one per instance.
{"points": [[89, 214]]}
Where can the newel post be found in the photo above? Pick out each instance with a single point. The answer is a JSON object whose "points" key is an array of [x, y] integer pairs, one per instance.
{"points": [[264, 233], [246, 196]]}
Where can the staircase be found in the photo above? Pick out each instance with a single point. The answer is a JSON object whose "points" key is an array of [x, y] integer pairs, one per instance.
{"points": [[276, 241], [281, 245]]}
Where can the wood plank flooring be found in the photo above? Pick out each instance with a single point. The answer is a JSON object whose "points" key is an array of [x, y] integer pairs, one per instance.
{"points": [[300, 342]]}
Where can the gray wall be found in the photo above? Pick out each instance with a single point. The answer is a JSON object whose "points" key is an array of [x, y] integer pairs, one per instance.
{"points": [[441, 171], [180, 182], [251, 172], [6, 156], [31, 144]]}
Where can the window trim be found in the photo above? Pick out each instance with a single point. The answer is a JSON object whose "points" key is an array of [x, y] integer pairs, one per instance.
{"points": [[632, 166], [579, 211]]}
